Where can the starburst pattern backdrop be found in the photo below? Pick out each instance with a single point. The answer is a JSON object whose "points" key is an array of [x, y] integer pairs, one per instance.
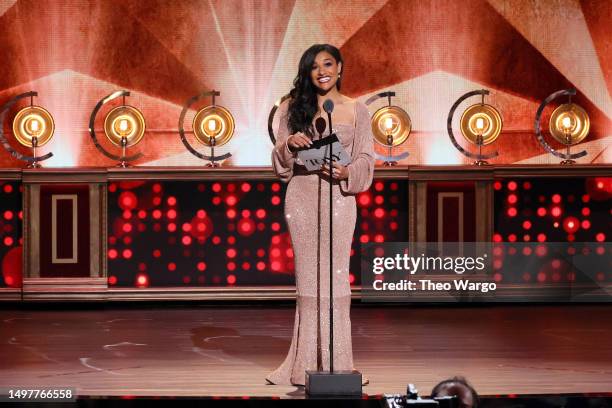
{"points": [[430, 52]]}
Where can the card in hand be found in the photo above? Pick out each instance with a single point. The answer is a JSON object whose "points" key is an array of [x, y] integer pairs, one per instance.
{"points": [[318, 153]]}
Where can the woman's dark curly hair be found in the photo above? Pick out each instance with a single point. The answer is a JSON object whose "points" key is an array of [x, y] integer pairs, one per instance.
{"points": [[303, 97]]}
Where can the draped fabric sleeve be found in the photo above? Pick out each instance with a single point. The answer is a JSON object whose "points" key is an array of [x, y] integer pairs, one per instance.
{"points": [[282, 158], [361, 168]]}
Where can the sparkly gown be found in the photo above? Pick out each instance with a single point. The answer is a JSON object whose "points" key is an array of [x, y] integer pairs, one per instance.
{"points": [[307, 207]]}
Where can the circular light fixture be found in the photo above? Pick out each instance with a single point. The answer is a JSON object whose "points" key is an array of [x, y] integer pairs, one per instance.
{"points": [[124, 126], [391, 125], [33, 126], [213, 122], [481, 124], [569, 124]]}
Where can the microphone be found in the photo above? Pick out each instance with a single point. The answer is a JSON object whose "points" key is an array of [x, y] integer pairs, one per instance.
{"points": [[320, 125], [328, 106]]}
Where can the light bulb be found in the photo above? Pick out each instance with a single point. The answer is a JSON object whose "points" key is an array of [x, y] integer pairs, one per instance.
{"points": [[480, 124], [566, 122], [123, 125], [388, 123], [35, 125], [212, 125]]}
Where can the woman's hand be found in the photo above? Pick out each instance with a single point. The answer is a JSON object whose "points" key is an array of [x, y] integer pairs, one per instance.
{"points": [[297, 140], [338, 171]]}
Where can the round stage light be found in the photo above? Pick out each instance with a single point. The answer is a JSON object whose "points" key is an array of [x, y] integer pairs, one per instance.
{"points": [[33, 126], [124, 126], [481, 124], [213, 125], [391, 125], [569, 124]]}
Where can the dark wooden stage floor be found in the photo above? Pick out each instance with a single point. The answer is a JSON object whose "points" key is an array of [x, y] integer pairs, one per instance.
{"points": [[227, 351]]}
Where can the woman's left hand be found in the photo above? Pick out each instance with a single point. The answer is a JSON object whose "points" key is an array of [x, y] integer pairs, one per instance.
{"points": [[338, 171]]}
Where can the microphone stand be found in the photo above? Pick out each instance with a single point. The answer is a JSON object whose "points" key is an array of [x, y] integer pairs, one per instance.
{"points": [[331, 383], [331, 251]]}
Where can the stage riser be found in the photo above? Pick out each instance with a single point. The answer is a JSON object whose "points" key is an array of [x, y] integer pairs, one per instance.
{"points": [[115, 240]]}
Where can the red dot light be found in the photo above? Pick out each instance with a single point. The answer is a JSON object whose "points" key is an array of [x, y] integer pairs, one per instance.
{"points": [[556, 198], [231, 279], [142, 280], [512, 198], [112, 254], [571, 225], [512, 185], [600, 237], [128, 200], [541, 211], [512, 212], [364, 199], [231, 200], [275, 200]]}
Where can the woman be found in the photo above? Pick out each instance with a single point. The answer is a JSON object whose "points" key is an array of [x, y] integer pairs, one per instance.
{"points": [[307, 211]]}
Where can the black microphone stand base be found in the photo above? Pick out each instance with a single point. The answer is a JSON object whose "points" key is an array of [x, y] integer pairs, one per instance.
{"points": [[333, 384]]}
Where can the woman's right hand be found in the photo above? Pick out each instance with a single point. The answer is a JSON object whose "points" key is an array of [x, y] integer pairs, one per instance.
{"points": [[297, 140]]}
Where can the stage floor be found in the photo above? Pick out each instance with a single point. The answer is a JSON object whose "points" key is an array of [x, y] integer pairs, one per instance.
{"points": [[227, 351]]}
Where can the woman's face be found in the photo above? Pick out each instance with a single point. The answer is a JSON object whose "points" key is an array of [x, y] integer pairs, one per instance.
{"points": [[325, 70]]}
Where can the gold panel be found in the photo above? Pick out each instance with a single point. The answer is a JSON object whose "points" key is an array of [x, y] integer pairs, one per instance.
{"points": [[124, 121], [213, 121], [391, 121], [33, 121], [569, 121], [481, 119]]}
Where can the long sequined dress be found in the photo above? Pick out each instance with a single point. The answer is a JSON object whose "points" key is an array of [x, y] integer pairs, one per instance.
{"points": [[307, 208]]}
